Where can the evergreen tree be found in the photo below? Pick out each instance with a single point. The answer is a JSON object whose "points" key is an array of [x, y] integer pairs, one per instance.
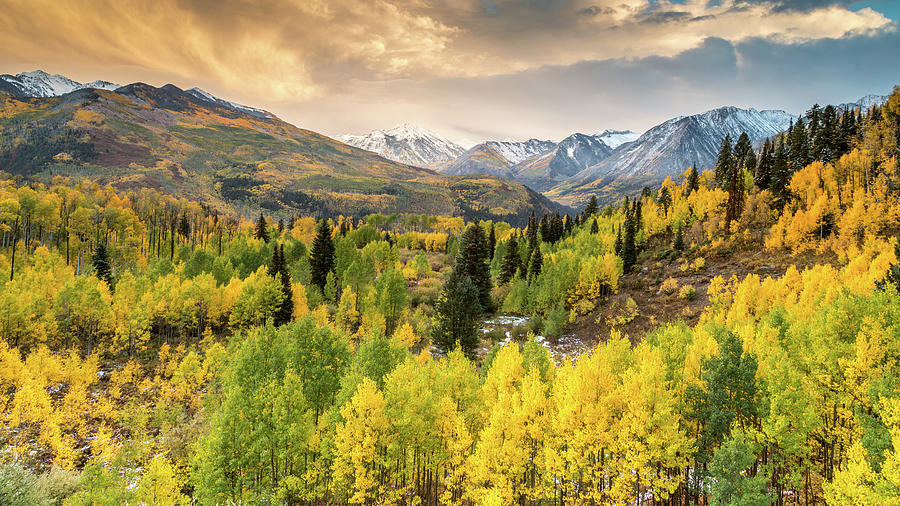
{"points": [[262, 229], [567, 225], [743, 151], [456, 315], [512, 262], [664, 199], [278, 270], [618, 244], [280, 225], [678, 244], [724, 162], [594, 227], [592, 207], [799, 148], [535, 264], [102, 268], [781, 173], [321, 260], [492, 243], [762, 176], [693, 179], [473, 262], [629, 250]]}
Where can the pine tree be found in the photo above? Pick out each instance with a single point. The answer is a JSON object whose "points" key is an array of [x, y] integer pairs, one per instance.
{"points": [[456, 315], [762, 176], [618, 244], [678, 244], [665, 199], [278, 270], [492, 243], [592, 207], [594, 227], [799, 148], [473, 262], [280, 225], [724, 162], [321, 260], [262, 228], [629, 250], [102, 268], [693, 179], [781, 173], [511, 262], [535, 264], [743, 151]]}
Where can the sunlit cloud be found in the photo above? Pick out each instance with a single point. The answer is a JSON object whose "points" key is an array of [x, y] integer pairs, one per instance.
{"points": [[302, 49]]}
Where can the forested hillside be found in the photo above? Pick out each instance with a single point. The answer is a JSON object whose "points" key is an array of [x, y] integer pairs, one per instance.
{"points": [[157, 351]]}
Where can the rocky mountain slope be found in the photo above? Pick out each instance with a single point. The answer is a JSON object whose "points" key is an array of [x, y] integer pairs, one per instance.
{"points": [[407, 143]]}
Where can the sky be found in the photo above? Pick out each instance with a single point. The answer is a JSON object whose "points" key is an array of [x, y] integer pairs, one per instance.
{"points": [[471, 69]]}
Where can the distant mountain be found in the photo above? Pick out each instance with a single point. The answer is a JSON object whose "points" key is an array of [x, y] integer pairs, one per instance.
{"points": [[572, 155], [668, 150], [866, 102], [615, 138], [41, 84], [480, 159], [519, 151], [407, 143], [495, 158], [192, 145]]}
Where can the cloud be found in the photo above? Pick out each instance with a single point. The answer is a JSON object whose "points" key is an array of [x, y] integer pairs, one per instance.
{"points": [[308, 49]]}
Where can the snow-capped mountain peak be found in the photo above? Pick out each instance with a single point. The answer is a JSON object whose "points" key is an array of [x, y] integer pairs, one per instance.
{"points": [[38, 83], [615, 138], [407, 143]]}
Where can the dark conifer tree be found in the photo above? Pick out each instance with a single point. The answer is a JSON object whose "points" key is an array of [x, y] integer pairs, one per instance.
{"points": [[278, 270], [664, 199], [567, 224], [781, 172], [762, 176], [693, 179], [629, 250], [743, 150], [594, 227], [535, 264], [262, 228], [473, 262], [512, 262], [492, 243], [724, 162], [280, 225], [456, 315], [678, 244], [102, 267], [545, 229], [592, 207], [799, 148], [618, 244], [321, 260]]}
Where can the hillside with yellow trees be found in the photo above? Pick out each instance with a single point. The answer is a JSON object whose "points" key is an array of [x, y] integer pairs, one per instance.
{"points": [[739, 337]]}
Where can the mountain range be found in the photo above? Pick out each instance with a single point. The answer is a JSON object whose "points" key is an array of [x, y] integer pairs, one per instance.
{"points": [[193, 145]]}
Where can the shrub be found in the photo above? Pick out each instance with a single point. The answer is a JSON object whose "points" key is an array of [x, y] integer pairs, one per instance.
{"points": [[669, 286], [687, 292], [698, 264]]}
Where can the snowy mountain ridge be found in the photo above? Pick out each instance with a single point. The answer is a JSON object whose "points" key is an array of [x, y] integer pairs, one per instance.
{"points": [[38, 83], [407, 143]]}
